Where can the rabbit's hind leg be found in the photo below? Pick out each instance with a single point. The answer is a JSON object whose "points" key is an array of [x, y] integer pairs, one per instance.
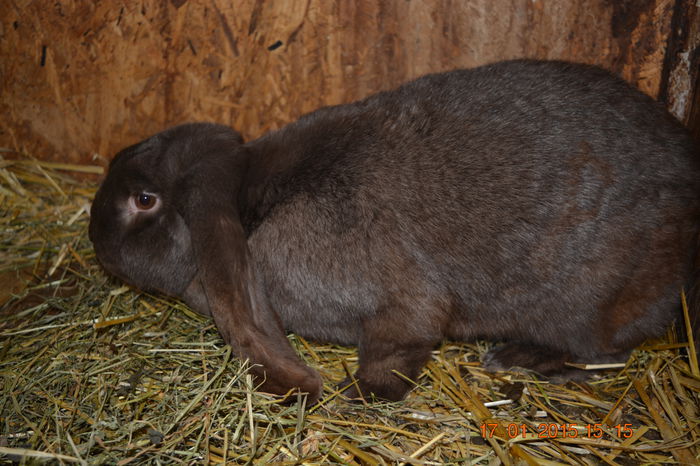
{"points": [[545, 361]]}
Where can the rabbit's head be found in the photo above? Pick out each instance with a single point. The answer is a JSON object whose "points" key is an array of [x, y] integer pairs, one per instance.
{"points": [[166, 218]]}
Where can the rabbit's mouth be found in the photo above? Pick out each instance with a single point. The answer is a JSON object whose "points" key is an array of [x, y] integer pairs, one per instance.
{"points": [[109, 266]]}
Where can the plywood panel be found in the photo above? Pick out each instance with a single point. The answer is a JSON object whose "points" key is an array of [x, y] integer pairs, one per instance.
{"points": [[680, 79], [82, 78]]}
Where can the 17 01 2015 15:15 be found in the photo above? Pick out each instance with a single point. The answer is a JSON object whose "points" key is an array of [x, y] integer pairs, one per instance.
{"points": [[552, 430]]}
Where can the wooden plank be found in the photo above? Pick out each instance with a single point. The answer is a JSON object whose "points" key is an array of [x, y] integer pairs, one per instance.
{"points": [[82, 78], [680, 78]]}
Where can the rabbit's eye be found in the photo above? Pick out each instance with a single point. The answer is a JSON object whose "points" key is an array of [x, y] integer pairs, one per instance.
{"points": [[145, 201]]}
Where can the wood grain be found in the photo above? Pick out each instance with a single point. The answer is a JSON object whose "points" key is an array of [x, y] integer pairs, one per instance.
{"points": [[82, 78]]}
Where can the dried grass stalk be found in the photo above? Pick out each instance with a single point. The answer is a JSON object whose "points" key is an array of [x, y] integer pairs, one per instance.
{"points": [[96, 372]]}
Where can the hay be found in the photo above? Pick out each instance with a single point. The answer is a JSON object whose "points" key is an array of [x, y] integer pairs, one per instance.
{"points": [[96, 372]]}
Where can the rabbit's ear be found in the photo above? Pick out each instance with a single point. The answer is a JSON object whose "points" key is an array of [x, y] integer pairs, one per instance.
{"points": [[233, 294]]}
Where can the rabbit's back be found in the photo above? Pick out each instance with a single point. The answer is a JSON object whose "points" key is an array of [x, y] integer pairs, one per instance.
{"points": [[525, 200]]}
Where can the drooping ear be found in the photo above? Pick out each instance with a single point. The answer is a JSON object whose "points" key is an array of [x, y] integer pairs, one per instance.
{"points": [[232, 290]]}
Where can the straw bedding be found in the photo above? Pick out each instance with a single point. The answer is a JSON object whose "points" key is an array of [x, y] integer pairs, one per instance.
{"points": [[94, 372]]}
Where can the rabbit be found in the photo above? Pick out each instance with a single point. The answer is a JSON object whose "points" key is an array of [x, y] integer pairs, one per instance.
{"points": [[546, 205]]}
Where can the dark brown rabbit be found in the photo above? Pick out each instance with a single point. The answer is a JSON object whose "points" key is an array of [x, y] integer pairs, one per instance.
{"points": [[546, 205]]}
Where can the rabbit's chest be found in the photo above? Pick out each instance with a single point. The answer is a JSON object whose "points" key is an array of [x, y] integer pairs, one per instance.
{"points": [[315, 281]]}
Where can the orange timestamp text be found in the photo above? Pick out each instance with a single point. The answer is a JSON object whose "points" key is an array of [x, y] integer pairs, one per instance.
{"points": [[552, 430]]}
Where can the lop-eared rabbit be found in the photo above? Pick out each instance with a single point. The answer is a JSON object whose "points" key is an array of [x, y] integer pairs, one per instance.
{"points": [[546, 205]]}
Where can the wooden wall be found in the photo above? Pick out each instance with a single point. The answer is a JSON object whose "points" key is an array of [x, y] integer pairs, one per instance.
{"points": [[80, 78]]}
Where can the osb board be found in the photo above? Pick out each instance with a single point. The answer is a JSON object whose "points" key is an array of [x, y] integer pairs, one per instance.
{"points": [[680, 81], [82, 78]]}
